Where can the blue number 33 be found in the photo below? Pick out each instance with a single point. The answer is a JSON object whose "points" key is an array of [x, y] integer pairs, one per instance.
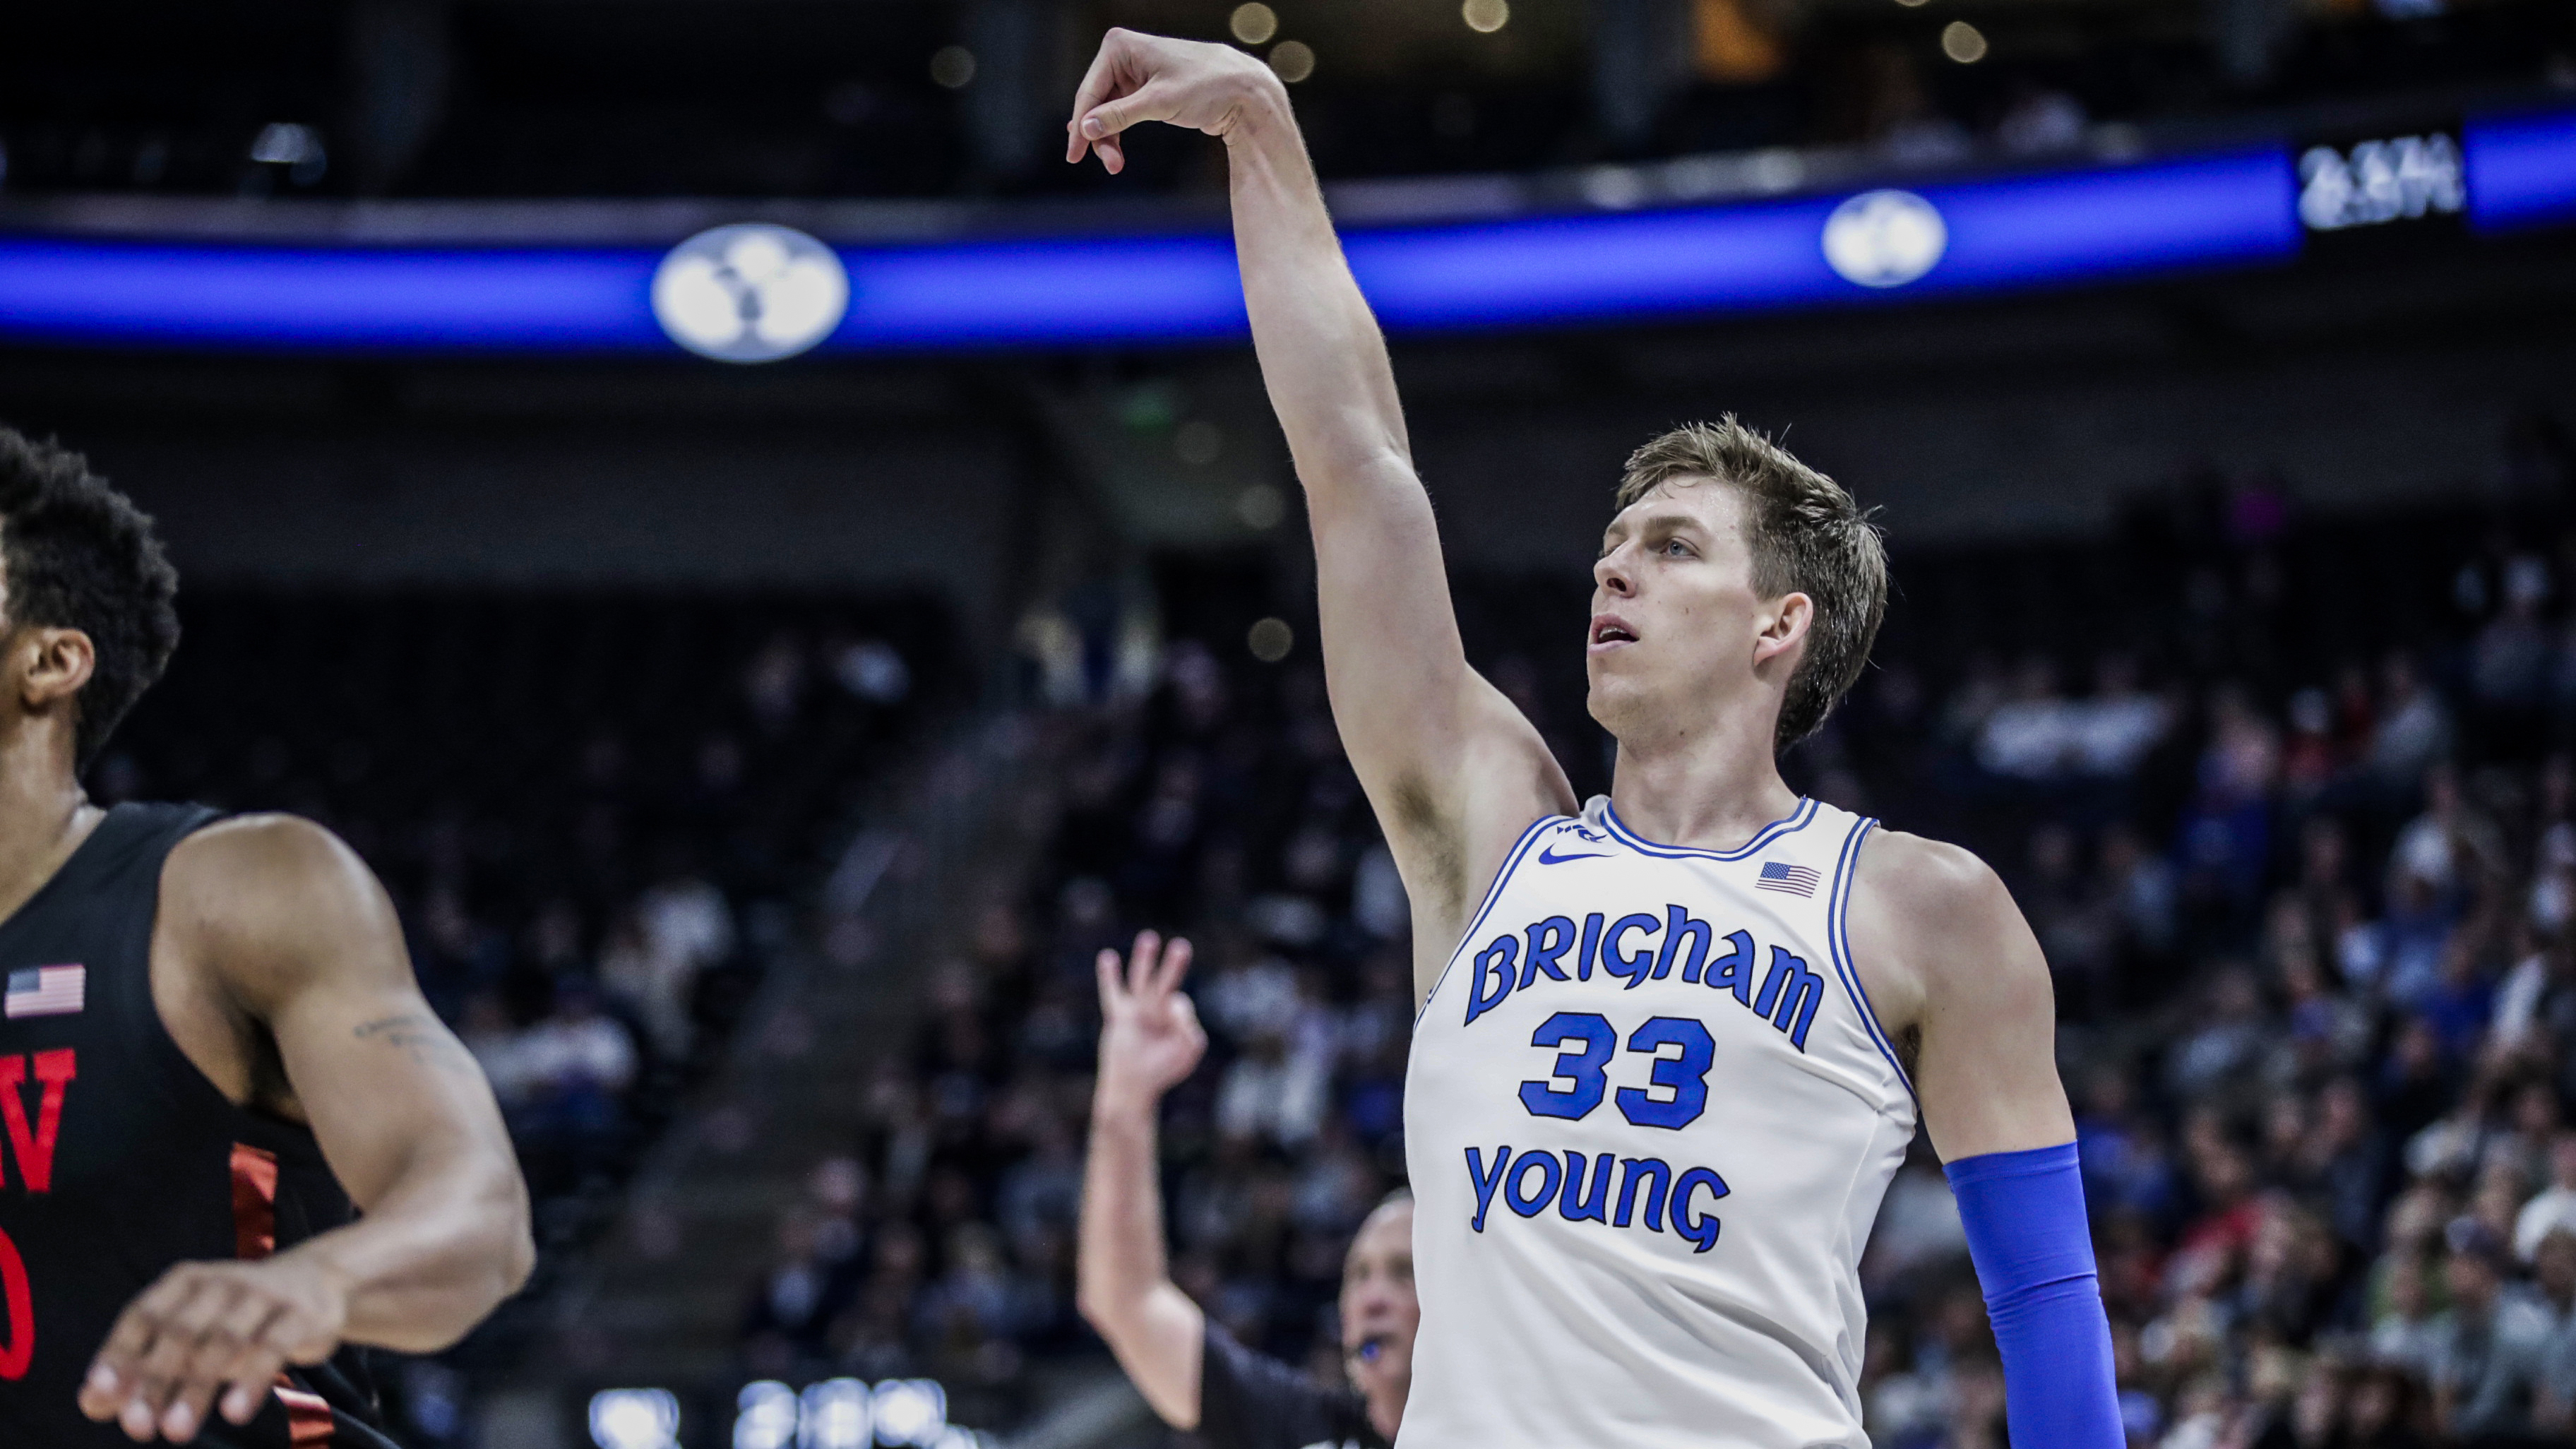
{"points": [[1685, 1076]]}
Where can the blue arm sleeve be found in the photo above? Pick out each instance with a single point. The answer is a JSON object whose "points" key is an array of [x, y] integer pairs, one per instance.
{"points": [[2024, 1212]]}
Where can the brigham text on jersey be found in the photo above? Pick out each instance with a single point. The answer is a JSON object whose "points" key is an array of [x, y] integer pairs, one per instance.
{"points": [[1518, 961]]}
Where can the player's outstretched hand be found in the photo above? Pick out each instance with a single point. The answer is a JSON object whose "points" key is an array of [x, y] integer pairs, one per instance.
{"points": [[209, 1328], [1138, 78], [1150, 1037]]}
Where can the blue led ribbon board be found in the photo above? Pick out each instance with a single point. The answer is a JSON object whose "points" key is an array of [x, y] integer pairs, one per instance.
{"points": [[2099, 224], [2522, 171], [333, 299], [2025, 231]]}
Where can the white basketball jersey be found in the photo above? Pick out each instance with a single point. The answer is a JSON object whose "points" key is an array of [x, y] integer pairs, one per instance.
{"points": [[1649, 1119]]}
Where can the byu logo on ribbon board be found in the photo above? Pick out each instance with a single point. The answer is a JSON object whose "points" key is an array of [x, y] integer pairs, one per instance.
{"points": [[750, 293], [1885, 238]]}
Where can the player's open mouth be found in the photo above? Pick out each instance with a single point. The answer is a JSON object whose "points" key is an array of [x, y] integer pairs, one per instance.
{"points": [[1610, 631]]}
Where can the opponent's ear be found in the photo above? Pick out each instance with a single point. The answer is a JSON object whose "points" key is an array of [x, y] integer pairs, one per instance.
{"points": [[1792, 615], [50, 666]]}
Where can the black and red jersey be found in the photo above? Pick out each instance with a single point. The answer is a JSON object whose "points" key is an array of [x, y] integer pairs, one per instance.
{"points": [[119, 1158]]}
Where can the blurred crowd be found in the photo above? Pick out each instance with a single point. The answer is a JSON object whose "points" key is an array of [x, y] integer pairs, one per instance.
{"points": [[2289, 797], [1220, 804], [940, 99], [2289, 801], [592, 814]]}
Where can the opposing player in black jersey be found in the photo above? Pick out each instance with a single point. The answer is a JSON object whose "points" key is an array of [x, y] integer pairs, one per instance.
{"points": [[212, 1044], [1195, 1375]]}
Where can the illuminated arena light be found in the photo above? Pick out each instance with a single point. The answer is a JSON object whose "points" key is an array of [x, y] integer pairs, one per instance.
{"points": [[635, 1419]]}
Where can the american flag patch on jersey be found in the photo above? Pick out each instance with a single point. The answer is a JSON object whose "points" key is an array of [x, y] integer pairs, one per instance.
{"points": [[46, 990], [1797, 880]]}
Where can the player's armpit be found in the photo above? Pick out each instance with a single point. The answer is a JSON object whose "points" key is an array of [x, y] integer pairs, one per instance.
{"points": [[1451, 824], [298, 933], [1951, 966]]}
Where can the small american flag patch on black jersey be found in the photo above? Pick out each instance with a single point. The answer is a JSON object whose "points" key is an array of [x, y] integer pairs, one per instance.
{"points": [[46, 991], [1797, 880]]}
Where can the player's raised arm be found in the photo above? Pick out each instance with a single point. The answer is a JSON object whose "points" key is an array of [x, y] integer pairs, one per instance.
{"points": [[1150, 1040], [1417, 722], [291, 925]]}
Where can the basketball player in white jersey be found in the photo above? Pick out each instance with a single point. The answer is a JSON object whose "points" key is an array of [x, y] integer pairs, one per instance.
{"points": [[1675, 1040]]}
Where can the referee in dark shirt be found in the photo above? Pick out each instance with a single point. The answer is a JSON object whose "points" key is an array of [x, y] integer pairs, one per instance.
{"points": [[1193, 1373]]}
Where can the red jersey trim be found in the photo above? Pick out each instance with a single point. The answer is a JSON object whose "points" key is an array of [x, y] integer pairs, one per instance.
{"points": [[308, 1417], [254, 1202]]}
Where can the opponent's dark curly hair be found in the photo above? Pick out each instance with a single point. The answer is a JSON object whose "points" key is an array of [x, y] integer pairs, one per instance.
{"points": [[79, 555]]}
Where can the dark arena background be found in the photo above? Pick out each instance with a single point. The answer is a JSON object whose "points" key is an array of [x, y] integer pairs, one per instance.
{"points": [[760, 727]]}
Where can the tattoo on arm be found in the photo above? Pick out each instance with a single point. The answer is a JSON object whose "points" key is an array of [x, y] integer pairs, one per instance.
{"points": [[421, 1037]]}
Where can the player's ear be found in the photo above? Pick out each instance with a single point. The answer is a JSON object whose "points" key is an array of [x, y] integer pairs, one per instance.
{"points": [[50, 666], [1791, 616]]}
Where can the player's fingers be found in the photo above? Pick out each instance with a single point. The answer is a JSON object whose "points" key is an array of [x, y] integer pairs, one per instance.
{"points": [[239, 1362], [1098, 83], [247, 1387], [156, 1385], [251, 1386], [109, 1371], [189, 1398], [151, 1347], [136, 1327], [1189, 1013], [222, 1326], [138, 1410], [256, 1363], [187, 1320], [1111, 991], [1140, 963], [174, 1340], [1176, 963], [1152, 101], [253, 1379]]}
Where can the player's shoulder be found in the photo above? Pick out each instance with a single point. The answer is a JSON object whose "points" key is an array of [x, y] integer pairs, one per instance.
{"points": [[1931, 883], [267, 850], [1946, 914], [260, 893]]}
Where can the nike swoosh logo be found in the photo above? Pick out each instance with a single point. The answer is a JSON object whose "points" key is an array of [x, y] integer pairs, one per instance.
{"points": [[1547, 856]]}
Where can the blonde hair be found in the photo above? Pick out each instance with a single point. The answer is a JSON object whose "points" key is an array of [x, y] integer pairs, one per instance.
{"points": [[1807, 536]]}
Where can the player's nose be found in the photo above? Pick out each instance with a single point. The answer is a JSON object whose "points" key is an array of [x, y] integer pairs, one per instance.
{"points": [[1610, 572]]}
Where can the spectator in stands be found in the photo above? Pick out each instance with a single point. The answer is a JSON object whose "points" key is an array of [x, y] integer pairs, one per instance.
{"points": [[785, 1322], [2552, 1210], [676, 931], [2413, 729], [1195, 1374], [568, 1075], [2488, 1347], [488, 1033]]}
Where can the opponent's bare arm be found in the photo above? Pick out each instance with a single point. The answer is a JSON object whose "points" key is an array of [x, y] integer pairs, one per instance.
{"points": [[1150, 1041], [1959, 983], [1454, 771], [297, 937]]}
